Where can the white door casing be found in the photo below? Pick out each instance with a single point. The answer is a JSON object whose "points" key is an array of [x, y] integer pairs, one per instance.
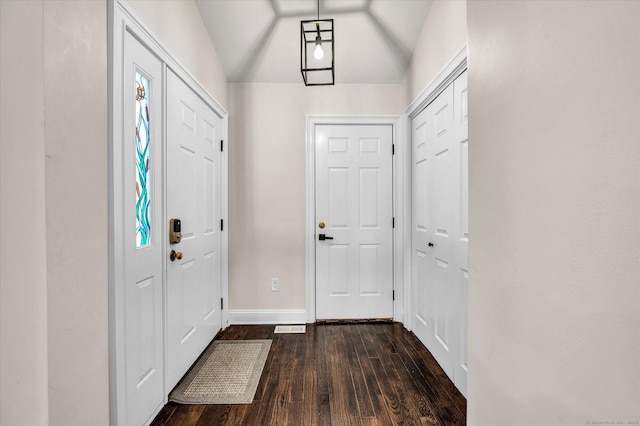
{"points": [[354, 198], [143, 271], [194, 197], [440, 228]]}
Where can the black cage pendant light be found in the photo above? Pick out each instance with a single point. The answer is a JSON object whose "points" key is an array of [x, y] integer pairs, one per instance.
{"points": [[317, 52]]}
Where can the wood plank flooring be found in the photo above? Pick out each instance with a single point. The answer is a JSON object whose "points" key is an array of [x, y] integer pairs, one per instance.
{"points": [[344, 374]]}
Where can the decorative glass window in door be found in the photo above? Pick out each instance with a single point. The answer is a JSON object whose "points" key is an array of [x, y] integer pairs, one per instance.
{"points": [[143, 142]]}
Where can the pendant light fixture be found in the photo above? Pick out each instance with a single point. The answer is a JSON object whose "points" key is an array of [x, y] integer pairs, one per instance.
{"points": [[317, 51]]}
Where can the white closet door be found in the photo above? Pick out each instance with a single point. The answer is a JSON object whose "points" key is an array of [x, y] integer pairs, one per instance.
{"points": [[439, 283], [421, 227], [461, 228], [439, 228]]}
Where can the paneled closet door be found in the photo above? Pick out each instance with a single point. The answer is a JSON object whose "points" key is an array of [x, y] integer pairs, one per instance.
{"points": [[460, 247], [421, 228], [439, 228]]}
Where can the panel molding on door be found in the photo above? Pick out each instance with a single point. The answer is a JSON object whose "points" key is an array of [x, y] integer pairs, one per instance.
{"points": [[354, 198]]}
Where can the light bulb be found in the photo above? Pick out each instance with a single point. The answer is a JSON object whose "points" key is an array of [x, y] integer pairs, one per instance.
{"points": [[318, 53]]}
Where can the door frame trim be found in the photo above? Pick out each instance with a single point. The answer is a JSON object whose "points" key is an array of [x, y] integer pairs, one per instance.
{"points": [[121, 20], [452, 70], [396, 122]]}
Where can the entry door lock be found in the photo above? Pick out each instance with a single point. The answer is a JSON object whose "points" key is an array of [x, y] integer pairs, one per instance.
{"points": [[175, 231], [323, 237]]}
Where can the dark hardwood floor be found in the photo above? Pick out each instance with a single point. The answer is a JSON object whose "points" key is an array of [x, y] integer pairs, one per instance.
{"points": [[347, 374]]}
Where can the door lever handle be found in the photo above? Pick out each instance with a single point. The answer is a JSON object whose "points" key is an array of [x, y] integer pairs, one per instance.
{"points": [[323, 237], [430, 244]]}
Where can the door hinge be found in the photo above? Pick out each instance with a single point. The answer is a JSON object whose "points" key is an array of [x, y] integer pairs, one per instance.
{"points": [[393, 295], [393, 222], [221, 303], [393, 149], [222, 224], [221, 146]]}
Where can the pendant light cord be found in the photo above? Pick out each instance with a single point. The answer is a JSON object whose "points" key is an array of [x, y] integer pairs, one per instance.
{"points": [[318, 10]]}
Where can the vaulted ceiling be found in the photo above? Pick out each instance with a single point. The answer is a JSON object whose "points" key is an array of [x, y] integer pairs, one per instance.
{"points": [[259, 40]]}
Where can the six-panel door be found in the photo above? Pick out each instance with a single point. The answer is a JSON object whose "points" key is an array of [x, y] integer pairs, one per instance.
{"points": [[193, 197], [354, 269]]}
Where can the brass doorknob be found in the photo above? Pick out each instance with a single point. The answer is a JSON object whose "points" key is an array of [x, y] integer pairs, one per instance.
{"points": [[175, 255]]}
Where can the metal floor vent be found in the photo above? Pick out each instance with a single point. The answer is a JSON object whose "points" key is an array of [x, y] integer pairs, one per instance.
{"points": [[290, 329]]}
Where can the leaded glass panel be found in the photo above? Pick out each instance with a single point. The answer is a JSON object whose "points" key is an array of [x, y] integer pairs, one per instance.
{"points": [[143, 142]]}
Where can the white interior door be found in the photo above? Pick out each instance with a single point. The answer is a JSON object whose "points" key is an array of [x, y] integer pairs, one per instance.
{"points": [[193, 197], [440, 228], [460, 247], [439, 283], [354, 211], [141, 220], [422, 125]]}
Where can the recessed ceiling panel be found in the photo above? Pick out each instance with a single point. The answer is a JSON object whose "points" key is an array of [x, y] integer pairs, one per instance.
{"points": [[259, 40]]}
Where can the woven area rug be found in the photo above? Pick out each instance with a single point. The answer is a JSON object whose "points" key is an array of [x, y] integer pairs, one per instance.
{"points": [[227, 373]]}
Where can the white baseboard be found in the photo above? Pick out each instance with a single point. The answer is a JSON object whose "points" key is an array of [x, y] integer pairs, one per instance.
{"points": [[266, 316]]}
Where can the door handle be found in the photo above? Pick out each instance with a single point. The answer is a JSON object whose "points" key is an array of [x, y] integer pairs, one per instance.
{"points": [[430, 244], [323, 237], [175, 255]]}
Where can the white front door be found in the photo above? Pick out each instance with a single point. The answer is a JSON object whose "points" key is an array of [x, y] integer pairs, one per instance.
{"points": [[440, 228], [142, 238], [194, 198], [354, 214]]}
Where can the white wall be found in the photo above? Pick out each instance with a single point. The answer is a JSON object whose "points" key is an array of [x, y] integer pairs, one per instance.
{"points": [[267, 132], [443, 35], [53, 333], [75, 90], [267, 161], [554, 212], [178, 26], [23, 266]]}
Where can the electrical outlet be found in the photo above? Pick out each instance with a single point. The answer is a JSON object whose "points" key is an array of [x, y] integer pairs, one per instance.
{"points": [[275, 284]]}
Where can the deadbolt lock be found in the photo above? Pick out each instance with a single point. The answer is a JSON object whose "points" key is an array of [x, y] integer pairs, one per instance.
{"points": [[175, 228], [321, 225]]}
